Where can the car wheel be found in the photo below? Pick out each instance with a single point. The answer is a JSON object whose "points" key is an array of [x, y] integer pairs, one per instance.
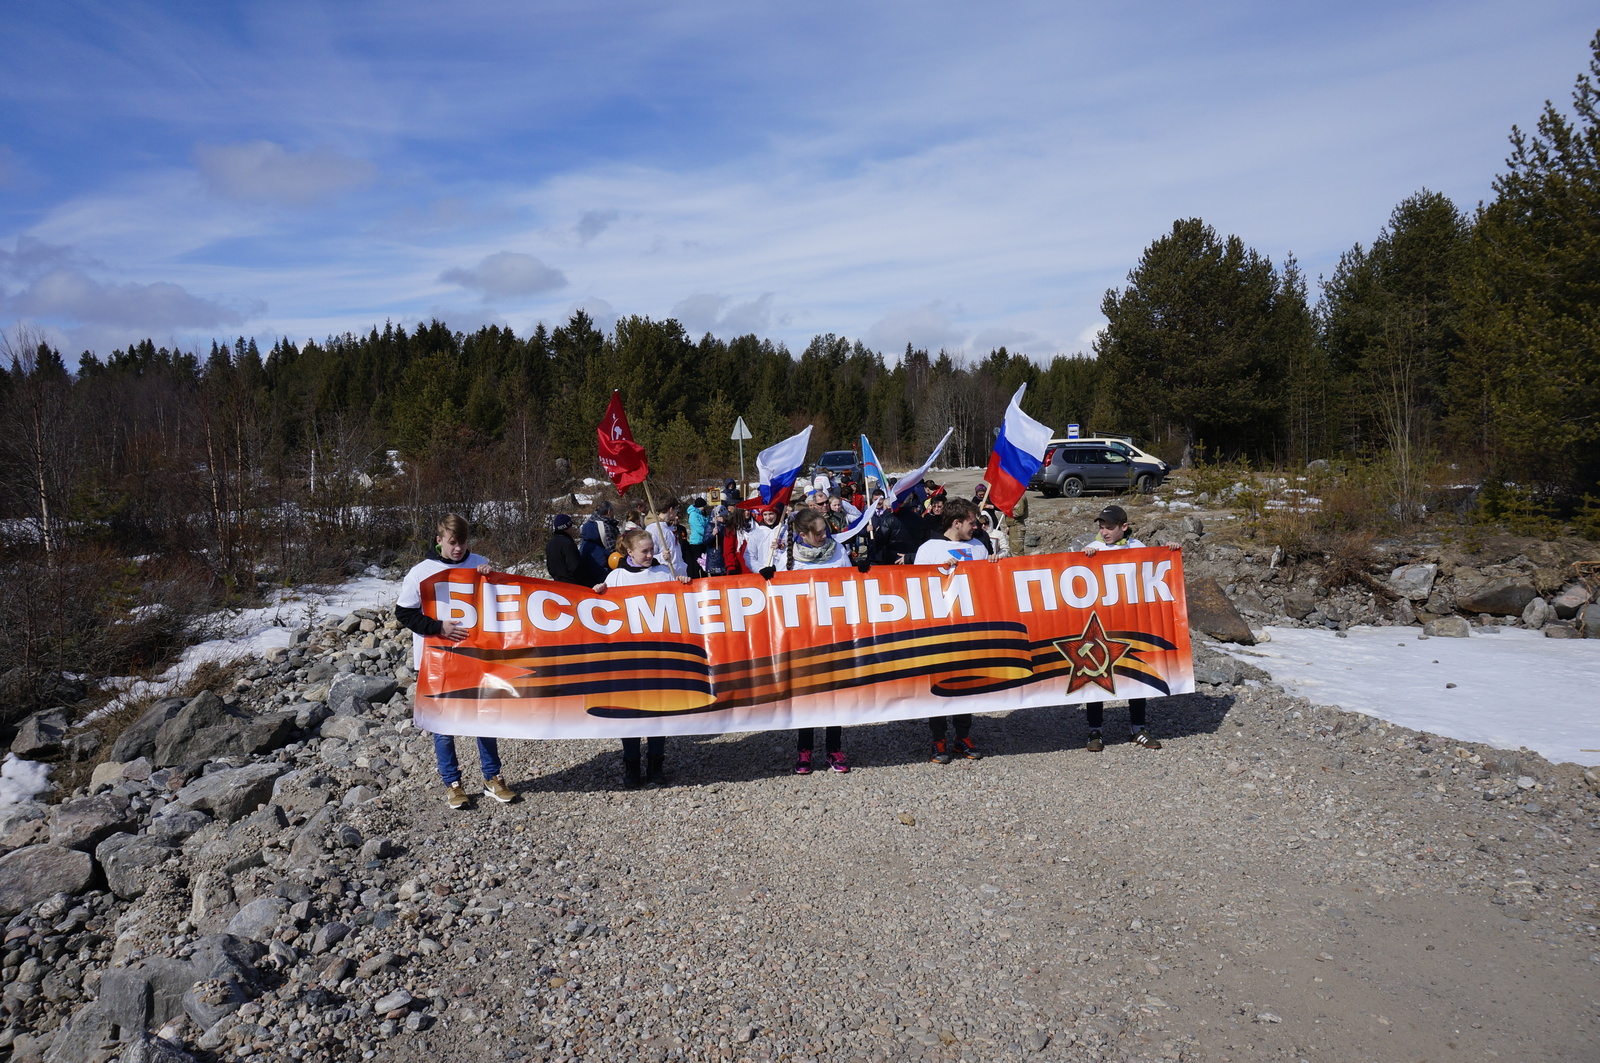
{"points": [[1072, 487], [1145, 485]]}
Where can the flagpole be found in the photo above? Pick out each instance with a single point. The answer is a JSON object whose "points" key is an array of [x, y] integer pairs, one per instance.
{"points": [[668, 540]]}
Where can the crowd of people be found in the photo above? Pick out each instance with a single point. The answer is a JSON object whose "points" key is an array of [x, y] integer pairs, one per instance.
{"points": [[711, 535]]}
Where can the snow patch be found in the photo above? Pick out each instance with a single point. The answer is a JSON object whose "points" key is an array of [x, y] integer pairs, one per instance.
{"points": [[21, 781], [253, 632], [1513, 687]]}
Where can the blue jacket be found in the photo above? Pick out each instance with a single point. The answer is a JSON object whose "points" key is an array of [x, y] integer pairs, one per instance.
{"points": [[699, 526]]}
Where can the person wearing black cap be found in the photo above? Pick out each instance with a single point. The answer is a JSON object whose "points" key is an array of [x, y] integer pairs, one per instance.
{"points": [[561, 554], [1115, 533]]}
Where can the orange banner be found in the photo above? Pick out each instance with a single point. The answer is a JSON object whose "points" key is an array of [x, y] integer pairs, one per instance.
{"points": [[807, 649]]}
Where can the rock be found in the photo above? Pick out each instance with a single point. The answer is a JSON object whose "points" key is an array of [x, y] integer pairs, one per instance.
{"points": [[1299, 603], [1589, 618], [41, 735], [357, 795], [1500, 597], [258, 919], [82, 1036], [1413, 582], [1317, 465], [1403, 613], [232, 792], [373, 964], [1450, 627], [133, 862], [1216, 671], [348, 728], [145, 993], [329, 936], [85, 822], [210, 896], [35, 872], [105, 775], [209, 1002], [369, 688], [176, 823], [1560, 629], [378, 849], [1573, 596], [392, 1001], [204, 730], [147, 1049], [1537, 614], [1193, 525], [1211, 611], [139, 738]]}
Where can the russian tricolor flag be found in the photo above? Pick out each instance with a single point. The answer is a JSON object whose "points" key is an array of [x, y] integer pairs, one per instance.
{"points": [[779, 466], [1017, 455]]}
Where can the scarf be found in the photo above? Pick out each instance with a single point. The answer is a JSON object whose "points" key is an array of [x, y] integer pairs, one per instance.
{"points": [[807, 554]]}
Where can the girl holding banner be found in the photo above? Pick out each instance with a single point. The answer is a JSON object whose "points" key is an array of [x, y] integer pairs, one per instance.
{"points": [[811, 546], [957, 544], [639, 565]]}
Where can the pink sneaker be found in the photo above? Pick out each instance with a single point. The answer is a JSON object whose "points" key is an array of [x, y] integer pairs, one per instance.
{"points": [[802, 764], [838, 763]]}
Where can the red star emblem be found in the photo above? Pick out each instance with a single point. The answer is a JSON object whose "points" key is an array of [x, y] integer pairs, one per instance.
{"points": [[1092, 656]]}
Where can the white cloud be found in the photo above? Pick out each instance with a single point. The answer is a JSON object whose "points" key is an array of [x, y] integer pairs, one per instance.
{"points": [[926, 327], [702, 313], [72, 295], [1091, 333], [507, 275], [593, 223], [259, 171], [1014, 340]]}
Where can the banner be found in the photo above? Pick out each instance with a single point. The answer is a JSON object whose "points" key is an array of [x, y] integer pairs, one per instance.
{"points": [[807, 649]]}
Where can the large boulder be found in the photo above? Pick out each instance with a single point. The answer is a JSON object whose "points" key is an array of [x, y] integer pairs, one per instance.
{"points": [[138, 739], [1499, 597], [42, 734], [31, 874], [232, 792], [257, 920], [1573, 597], [83, 1036], [134, 862], [1448, 627], [152, 991], [85, 822], [1299, 603], [1537, 614], [1413, 582], [1589, 617], [1211, 611], [349, 689], [205, 729]]}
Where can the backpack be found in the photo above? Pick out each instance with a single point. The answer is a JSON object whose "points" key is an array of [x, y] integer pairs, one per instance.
{"points": [[715, 564]]}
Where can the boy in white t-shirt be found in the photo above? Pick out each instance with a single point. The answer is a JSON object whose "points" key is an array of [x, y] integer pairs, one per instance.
{"points": [[956, 545], [450, 550], [1113, 532]]}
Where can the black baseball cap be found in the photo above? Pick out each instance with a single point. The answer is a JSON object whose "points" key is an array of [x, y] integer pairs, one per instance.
{"points": [[1112, 515]]}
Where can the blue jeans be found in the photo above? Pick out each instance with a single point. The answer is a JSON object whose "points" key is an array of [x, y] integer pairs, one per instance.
{"points": [[444, 751]]}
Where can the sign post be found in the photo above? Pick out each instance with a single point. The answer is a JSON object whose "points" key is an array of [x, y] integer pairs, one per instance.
{"points": [[1072, 431], [741, 432]]}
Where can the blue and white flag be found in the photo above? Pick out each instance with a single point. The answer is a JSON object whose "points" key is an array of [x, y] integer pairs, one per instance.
{"points": [[903, 486], [870, 466]]}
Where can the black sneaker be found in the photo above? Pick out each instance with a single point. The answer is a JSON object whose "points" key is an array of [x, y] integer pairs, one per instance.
{"points": [[968, 749], [631, 779], [1095, 744], [941, 753], [1142, 737]]}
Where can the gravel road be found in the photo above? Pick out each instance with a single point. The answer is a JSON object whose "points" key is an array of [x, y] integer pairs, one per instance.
{"points": [[1279, 882]]}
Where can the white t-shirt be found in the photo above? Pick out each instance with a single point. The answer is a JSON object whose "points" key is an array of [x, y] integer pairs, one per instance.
{"points": [[839, 558], [668, 550], [624, 577], [1095, 545], [411, 591], [944, 551]]}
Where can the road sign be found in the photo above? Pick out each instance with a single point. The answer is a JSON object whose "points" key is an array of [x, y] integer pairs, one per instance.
{"points": [[741, 431], [1072, 431]]}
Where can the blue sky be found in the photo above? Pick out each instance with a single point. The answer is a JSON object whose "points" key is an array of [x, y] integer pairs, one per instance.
{"points": [[958, 176]]}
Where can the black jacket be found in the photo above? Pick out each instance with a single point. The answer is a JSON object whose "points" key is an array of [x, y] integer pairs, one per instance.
{"points": [[565, 563]]}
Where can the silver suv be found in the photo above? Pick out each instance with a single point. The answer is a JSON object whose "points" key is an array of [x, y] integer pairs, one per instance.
{"points": [[1074, 468]]}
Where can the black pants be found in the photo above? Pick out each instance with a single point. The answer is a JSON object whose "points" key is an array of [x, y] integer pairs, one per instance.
{"points": [[1096, 712], [805, 736], [630, 747], [962, 721]]}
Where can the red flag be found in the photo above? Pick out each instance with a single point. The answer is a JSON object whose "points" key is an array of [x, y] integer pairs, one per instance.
{"points": [[622, 458]]}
